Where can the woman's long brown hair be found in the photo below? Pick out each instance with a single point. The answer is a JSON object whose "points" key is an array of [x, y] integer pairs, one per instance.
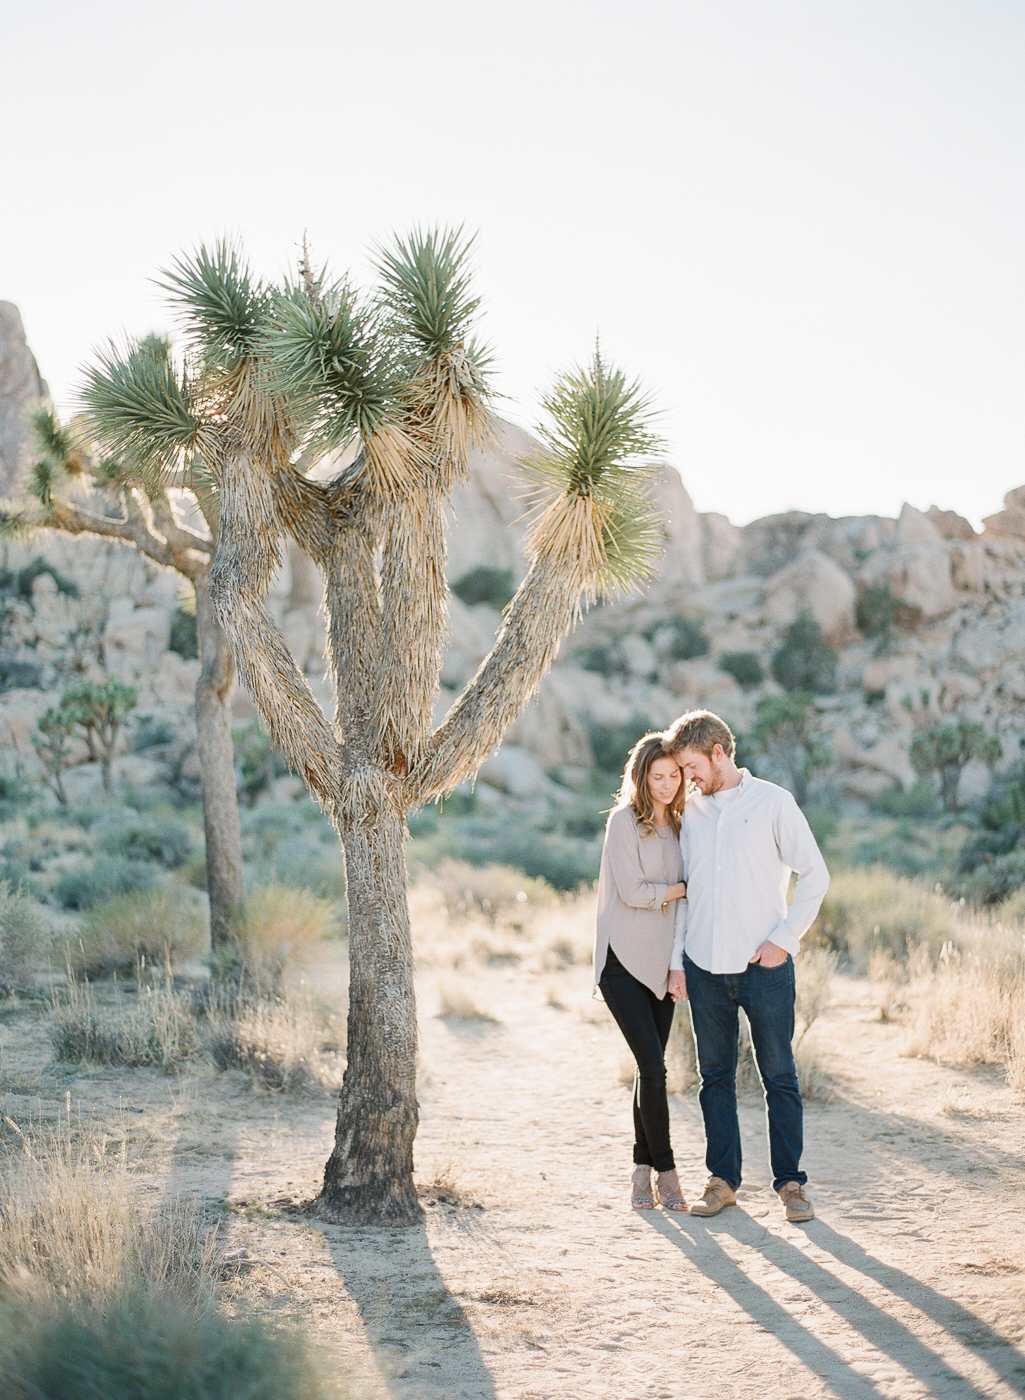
{"points": [[634, 791]]}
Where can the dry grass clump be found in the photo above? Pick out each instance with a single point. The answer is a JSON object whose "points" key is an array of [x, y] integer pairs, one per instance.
{"points": [[280, 930], [969, 1009], [23, 940], [871, 907], [464, 915], [154, 1026], [75, 1228], [152, 928], [103, 1294], [681, 1060], [456, 1002], [496, 893], [282, 1043]]}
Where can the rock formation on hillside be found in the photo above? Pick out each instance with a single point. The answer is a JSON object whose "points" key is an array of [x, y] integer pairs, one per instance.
{"points": [[953, 643], [20, 388]]}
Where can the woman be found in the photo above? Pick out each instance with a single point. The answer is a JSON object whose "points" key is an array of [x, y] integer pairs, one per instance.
{"points": [[640, 880]]}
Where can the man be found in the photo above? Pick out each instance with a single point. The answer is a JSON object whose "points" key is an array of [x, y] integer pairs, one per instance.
{"points": [[735, 939]]}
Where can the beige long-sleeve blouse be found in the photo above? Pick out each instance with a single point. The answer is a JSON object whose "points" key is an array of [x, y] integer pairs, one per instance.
{"points": [[636, 871]]}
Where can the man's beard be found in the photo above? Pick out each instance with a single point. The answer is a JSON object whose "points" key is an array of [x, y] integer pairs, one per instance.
{"points": [[715, 783]]}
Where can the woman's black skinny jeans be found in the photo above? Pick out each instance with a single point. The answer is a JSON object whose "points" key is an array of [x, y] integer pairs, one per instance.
{"points": [[645, 1021]]}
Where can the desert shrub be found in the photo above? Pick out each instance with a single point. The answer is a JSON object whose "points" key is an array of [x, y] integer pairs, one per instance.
{"points": [[564, 862], [26, 577], [611, 744], [919, 800], [686, 640], [156, 1026], [22, 939], [138, 836], [104, 878], [264, 826], [879, 612], [279, 931], [184, 635], [803, 661], [598, 657], [257, 762], [744, 666], [153, 733], [309, 865], [497, 893], [18, 674], [992, 881], [871, 907], [15, 795], [155, 927], [486, 585], [150, 1348], [283, 1042]]}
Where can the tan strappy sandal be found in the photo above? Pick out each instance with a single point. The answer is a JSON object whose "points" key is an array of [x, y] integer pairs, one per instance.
{"points": [[670, 1193], [641, 1196]]}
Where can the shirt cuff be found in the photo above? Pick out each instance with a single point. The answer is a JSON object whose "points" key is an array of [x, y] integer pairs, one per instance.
{"points": [[660, 896], [676, 963], [783, 938]]}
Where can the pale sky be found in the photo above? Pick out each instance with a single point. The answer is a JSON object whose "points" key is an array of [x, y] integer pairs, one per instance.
{"points": [[800, 222]]}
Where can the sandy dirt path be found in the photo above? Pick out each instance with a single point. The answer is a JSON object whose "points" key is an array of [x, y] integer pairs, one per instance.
{"points": [[532, 1280]]}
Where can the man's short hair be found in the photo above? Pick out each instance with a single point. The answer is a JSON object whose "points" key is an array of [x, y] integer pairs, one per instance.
{"points": [[701, 730]]}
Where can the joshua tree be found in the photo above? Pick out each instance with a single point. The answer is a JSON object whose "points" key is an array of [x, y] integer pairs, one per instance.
{"points": [[945, 749], [65, 469], [787, 732], [275, 377]]}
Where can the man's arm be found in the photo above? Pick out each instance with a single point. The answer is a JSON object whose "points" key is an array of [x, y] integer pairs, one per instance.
{"points": [[798, 849]]}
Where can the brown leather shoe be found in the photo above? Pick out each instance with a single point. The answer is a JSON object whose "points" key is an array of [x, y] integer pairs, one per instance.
{"points": [[717, 1193], [796, 1205], [641, 1195], [670, 1193]]}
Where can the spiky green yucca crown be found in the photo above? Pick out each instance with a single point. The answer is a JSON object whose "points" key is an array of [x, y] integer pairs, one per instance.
{"points": [[597, 446], [326, 365]]}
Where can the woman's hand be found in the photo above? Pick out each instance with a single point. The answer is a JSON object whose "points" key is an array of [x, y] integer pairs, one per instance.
{"points": [[678, 985]]}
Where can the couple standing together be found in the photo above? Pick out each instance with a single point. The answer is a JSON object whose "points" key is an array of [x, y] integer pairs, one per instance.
{"points": [[692, 904]]}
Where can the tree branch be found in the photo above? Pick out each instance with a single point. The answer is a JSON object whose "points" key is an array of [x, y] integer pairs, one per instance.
{"points": [[248, 543], [538, 617], [133, 530]]}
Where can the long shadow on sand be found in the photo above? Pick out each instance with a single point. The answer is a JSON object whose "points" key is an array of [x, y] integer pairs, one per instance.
{"points": [[880, 1329], [421, 1338]]}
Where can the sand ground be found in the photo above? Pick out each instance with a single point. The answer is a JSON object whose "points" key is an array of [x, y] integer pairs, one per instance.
{"points": [[531, 1279]]}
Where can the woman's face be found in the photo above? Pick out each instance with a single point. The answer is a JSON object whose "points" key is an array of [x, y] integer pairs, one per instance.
{"points": [[664, 778]]}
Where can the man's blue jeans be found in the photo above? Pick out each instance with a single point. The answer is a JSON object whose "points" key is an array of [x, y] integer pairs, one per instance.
{"points": [[767, 996]]}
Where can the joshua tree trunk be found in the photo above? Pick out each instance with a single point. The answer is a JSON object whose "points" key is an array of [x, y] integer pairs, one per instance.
{"points": [[225, 883], [369, 1176], [154, 532]]}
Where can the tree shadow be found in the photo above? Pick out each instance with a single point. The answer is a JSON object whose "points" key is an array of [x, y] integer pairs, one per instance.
{"points": [[879, 1328], [416, 1329]]}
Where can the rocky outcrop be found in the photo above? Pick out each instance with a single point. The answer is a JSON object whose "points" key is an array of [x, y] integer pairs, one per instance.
{"points": [[954, 644], [20, 388]]}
